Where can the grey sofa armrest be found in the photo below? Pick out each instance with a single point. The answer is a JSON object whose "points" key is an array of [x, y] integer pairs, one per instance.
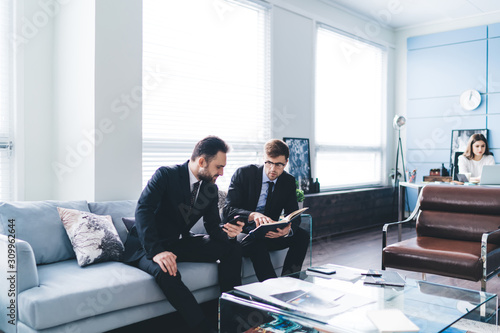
{"points": [[27, 273]]}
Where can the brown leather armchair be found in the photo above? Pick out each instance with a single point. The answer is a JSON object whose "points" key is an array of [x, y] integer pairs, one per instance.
{"points": [[458, 234]]}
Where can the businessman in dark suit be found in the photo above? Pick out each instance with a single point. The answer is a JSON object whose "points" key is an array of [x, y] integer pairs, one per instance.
{"points": [[174, 199], [259, 194]]}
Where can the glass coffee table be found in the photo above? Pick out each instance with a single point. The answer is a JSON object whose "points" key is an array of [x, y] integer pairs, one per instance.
{"points": [[432, 307]]}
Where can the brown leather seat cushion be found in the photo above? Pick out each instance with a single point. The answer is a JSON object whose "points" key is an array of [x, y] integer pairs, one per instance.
{"points": [[447, 257]]}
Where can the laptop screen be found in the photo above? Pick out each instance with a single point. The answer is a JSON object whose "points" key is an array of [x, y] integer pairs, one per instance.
{"points": [[490, 175]]}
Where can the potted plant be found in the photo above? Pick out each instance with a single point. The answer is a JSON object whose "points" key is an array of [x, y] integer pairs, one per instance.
{"points": [[300, 197]]}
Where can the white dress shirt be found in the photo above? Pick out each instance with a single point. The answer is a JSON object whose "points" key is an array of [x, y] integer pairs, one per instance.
{"points": [[474, 167]]}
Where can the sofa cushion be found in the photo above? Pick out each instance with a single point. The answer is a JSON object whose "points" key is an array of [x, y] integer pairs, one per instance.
{"points": [[117, 210], [94, 237], [39, 224], [68, 292], [129, 222]]}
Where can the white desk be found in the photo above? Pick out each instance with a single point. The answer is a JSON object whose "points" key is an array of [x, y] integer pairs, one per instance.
{"points": [[402, 196]]}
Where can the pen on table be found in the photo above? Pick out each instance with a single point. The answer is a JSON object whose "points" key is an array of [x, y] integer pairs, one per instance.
{"points": [[372, 274]]}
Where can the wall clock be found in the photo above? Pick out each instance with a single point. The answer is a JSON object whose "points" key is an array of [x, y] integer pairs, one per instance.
{"points": [[470, 99]]}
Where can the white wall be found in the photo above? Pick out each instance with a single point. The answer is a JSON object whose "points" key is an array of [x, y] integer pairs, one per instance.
{"points": [[292, 74], [55, 62], [35, 50], [73, 98], [118, 109]]}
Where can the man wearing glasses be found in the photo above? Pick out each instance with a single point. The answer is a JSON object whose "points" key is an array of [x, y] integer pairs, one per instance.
{"points": [[259, 194]]}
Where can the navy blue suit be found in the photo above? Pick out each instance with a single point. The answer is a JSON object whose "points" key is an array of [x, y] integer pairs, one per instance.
{"points": [[164, 217], [242, 199]]}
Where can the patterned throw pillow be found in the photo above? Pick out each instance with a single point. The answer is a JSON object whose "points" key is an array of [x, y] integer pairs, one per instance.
{"points": [[94, 237]]}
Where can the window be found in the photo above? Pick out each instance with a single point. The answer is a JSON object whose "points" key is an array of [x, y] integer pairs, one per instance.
{"points": [[350, 110], [205, 72], [6, 100]]}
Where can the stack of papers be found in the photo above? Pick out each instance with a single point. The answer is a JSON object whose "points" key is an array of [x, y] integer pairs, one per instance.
{"points": [[388, 278]]}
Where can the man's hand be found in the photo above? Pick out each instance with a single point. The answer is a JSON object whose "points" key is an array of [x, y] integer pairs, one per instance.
{"points": [[167, 262], [233, 230], [279, 232], [259, 218]]}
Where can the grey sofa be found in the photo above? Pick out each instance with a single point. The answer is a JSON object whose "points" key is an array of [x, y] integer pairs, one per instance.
{"points": [[54, 294]]}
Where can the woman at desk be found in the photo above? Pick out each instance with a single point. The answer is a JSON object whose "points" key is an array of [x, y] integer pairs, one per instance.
{"points": [[476, 155]]}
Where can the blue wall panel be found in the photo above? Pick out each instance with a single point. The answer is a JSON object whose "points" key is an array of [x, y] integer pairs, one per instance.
{"points": [[435, 133], [494, 104], [411, 197], [496, 155], [494, 30], [440, 67], [441, 107], [494, 65], [423, 169], [447, 70], [448, 37], [429, 155], [494, 130]]}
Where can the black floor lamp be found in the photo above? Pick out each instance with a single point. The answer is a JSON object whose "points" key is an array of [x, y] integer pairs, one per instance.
{"points": [[397, 123]]}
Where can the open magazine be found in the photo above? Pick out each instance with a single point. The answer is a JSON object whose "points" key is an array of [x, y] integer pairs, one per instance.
{"points": [[263, 229], [305, 297]]}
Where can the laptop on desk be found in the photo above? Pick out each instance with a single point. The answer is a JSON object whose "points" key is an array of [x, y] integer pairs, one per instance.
{"points": [[490, 175]]}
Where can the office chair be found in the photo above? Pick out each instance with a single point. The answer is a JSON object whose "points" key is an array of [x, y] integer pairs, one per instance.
{"points": [[455, 170]]}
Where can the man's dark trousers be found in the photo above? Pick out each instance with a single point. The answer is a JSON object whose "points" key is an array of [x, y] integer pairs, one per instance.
{"points": [[258, 251], [195, 249]]}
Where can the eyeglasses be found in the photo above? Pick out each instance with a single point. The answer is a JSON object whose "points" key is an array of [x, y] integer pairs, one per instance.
{"points": [[278, 165]]}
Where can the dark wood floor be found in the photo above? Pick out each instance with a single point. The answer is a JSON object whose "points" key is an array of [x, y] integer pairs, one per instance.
{"points": [[363, 250], [360, 249]]}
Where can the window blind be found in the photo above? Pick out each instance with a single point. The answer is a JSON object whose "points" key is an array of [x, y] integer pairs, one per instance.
{"points": [[6, 100], [350, 110], [205, 72]]}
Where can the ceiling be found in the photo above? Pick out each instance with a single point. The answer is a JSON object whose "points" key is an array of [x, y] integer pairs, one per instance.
{"points": [[407, 13]]}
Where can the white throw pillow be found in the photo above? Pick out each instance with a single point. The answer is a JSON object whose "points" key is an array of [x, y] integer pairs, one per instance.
{"points": [[94, 237]]}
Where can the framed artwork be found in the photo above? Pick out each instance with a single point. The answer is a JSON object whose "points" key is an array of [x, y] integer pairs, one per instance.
{"points": [[299, 161], [459, 139]]}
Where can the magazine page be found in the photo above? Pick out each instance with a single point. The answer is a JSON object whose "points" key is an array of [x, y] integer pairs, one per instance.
{"points": [[302, 296]]}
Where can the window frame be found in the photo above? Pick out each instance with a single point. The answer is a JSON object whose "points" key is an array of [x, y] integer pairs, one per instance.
{"points": [[335, 148], [7, 188]]}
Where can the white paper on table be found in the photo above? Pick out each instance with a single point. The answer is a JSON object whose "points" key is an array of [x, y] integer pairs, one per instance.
{"points": [[392, 320]]}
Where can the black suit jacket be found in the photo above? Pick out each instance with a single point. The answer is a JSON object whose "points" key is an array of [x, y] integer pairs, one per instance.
{"points": [[244, 191], [163, 211]]}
